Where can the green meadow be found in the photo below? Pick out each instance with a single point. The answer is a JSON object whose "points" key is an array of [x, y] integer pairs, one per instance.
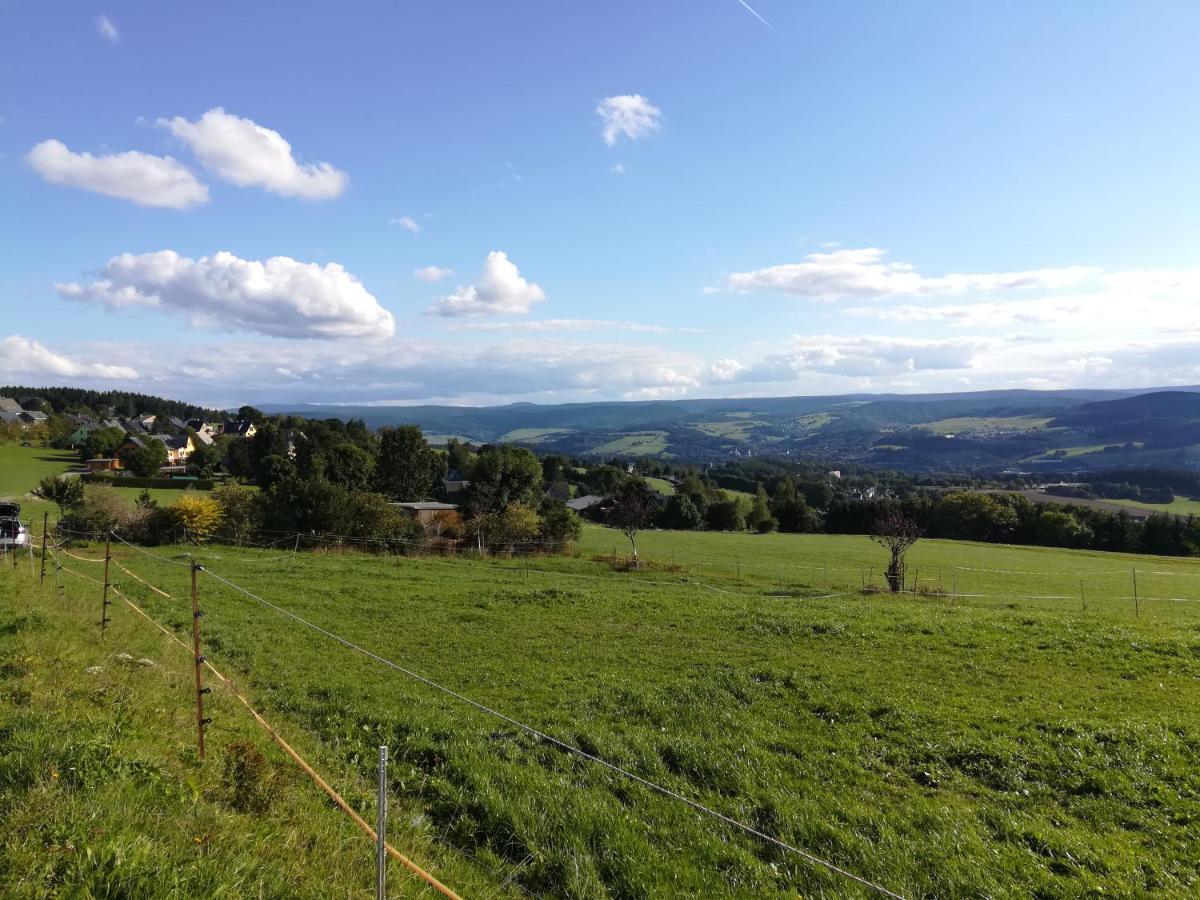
{"points": [[1017, 740]]}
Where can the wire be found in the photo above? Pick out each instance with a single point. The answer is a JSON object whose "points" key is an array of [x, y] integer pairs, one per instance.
{"points": [[312, 773], [570, 748]]}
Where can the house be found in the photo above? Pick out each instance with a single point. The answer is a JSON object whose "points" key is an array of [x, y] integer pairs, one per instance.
{"points": [[103, 464], [424, 512], [147, 420], [34, 417], [212, 429], [240, 429], [9, 405], [584, 503], [454, 484], [203, 437], [177, 423], [559, 490], [11, 418], [179, 447]]}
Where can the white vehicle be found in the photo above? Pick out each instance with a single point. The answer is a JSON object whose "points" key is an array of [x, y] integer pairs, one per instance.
{"points": [[12, 532]]}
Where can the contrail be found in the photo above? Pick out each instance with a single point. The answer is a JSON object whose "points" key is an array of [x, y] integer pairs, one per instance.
{"points": [[750, 9]]}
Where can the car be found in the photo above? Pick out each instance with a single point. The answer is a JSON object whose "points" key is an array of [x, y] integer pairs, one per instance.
{"points": [[12, 532]]}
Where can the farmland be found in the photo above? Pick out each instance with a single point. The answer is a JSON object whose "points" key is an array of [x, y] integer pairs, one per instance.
{"points": [[1022, 738]]}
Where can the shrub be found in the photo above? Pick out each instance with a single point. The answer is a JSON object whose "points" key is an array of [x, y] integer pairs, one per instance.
{"points": [[199, 516], [560, 524], [240, 517]]}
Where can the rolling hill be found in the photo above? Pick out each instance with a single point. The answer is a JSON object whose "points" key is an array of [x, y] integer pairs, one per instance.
{"points": [[973, 431]]}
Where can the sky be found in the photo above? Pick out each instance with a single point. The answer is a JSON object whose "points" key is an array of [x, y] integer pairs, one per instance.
{"points": [[481, 202]]}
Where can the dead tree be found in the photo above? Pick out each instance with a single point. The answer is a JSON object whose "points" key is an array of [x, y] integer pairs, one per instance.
{"points": [[896, 532]]}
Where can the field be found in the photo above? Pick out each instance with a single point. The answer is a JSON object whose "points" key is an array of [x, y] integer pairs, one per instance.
{"points": [[637, 443], [1180, 506], [660, 484], [21, 468], [1019, 739], [987, 425]]}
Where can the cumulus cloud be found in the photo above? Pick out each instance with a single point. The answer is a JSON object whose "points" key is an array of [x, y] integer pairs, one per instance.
{"points": [[432, 273], [406, 222], [499, 289], [21, 356], [631, 116], [146, 180], [107, 30], [280, 296], [864, 273], [247, 154]]}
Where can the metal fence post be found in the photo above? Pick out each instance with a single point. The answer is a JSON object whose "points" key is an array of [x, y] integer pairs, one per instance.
{"points": [[381, 828]]}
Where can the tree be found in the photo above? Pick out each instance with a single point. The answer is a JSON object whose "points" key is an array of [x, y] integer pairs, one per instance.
{"points": [[502, 475], [759, 517], [407, 468], [65, 493], [239, 512], [458, 455], [634, 507], [680, 514], [724, 514], [560, 524], [146, 460], [349, 465], [102, 443], [896, 532]]}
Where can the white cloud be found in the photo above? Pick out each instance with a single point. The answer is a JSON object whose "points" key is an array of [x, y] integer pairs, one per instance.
{"points": [[627, 115], [499, 289], [279, 296], [22, 356], [856, 356], [980, 315], [432, 273], [572, 325], [618, 169], [406, 222], [107, 30], [245, 153], [864, 273], [144, 179]]}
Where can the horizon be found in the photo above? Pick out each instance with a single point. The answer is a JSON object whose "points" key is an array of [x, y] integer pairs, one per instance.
{"points": [[713, 201]]}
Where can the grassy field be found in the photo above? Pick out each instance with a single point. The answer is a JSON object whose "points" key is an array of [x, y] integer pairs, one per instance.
{"points": [[990, 425], [1018, 740], [660, 484], [1180, 506], [637, 443], [21, 468]]}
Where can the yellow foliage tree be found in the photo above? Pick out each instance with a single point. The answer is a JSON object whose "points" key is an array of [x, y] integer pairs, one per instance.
{"points": [[199, 515]]}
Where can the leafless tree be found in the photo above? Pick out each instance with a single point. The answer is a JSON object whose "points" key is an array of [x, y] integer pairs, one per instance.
{"points": [[896, 532]]}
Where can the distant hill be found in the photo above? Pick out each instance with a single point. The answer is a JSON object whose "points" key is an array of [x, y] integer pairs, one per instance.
{"points": [[969, 431]]}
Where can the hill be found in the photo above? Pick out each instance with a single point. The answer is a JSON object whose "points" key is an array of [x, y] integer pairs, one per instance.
{"points": [[973, 431]]}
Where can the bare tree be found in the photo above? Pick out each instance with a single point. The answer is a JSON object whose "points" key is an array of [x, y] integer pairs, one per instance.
{"points": [[633, 509], [896, 532]]}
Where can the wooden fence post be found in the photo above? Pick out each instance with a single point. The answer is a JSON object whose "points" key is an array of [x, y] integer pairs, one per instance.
{"points": [[201, 690], [104, 603], [45, 526]]}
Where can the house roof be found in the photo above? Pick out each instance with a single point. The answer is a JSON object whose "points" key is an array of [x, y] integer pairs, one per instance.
{"points": [[35, 415], [173, 441], [454, 475], [8, 404], [427, 505], [205, 438], [587, 501]]}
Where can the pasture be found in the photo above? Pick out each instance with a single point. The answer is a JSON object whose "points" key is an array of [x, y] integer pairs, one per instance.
{"points": [[1018, 739]]}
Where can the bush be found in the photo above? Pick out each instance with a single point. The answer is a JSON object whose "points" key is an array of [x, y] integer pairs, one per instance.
{"points": [[240, 514], [133, 481], [199, 516], [560, 525]]}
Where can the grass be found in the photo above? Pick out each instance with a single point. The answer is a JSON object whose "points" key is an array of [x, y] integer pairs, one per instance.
{"points": [[660, 484], [21, 468], [1180, 506], [999, 745], [532, 435], [637, 443], [987, 424]]}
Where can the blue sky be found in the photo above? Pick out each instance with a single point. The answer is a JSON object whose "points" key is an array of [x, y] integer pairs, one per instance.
{"points": [[228, 202]]}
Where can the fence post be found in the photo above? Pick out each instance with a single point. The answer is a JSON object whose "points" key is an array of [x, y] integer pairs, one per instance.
{"points": [[1136, 613], [201, 690], [45, 526], [954, 581], [381, 828], [104, 619], [1082, 597]]}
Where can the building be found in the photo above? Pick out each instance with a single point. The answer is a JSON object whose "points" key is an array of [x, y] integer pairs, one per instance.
{"points": [[9, 405], [454, 484], [103, 464], [34, 417], [240, 429], [425, 511], [584, 503]]}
